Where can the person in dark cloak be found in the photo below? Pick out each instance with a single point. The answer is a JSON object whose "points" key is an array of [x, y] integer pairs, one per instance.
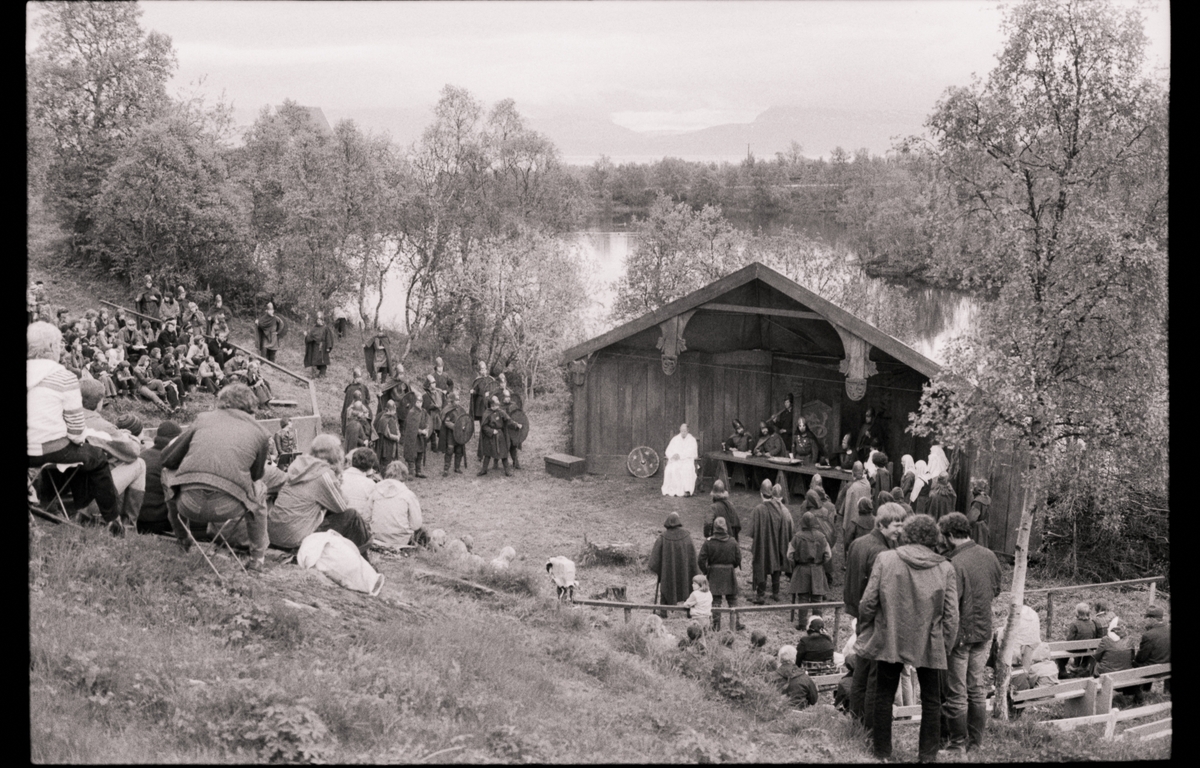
{"points": [[740, 440], [378, 356], [318, 343], [442, 384], [431, 404], [782, 423], [453, 448], [719, 557], [387, 427], [721, 507], [481, 389], [493, 439], [883, 476], [415, 437], [977, 513], [866, 433], [807, 554], [395, 388], [514, 429], [356, 385], [270, 328], [673, 559], [941, 498], [765, 525]]}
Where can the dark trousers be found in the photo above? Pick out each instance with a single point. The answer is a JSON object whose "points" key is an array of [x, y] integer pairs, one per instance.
{"points": [[512, 453], [459, 452], [862, 691], [760, 588], [930, 739], [340, 325], [350, 525], [93, 480], [269, 354]]}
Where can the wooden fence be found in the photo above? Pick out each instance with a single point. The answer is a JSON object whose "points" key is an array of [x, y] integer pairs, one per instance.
{"points": [[1050, 592]]}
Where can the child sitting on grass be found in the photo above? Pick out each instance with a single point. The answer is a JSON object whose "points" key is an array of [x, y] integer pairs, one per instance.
{"points": [[699, 603]]}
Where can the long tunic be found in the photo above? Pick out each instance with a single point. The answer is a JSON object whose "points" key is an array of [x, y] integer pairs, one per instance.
{"points": [[673, 558], [719, 556], [859, 489], [449, 417], [806, 447], [481, 389], [411, 438], [318, 343], [977, 516], [768, 551], [269, 328], [679, 476], [351, 388], [722, 508], [387, 446], [808, 552], [494, 434]]}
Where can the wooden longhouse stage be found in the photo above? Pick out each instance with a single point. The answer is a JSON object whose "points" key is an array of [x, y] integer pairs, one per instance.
{"points": [[734, 349]]}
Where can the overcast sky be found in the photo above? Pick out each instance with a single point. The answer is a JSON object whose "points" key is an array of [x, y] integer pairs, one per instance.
{"points": [[649, 65]]}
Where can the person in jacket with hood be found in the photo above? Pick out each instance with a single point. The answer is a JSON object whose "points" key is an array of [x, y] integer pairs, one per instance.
{"points": [[54, 426], [393, 512], [721, 507], [807, 554], [909, 615], [770, 547], [310, 499], [216, 466], [720, 556], [673, 560], [964, 691], [792, 681]]}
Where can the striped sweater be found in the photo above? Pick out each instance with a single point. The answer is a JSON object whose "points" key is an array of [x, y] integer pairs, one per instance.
{"points": [[53, 407]]}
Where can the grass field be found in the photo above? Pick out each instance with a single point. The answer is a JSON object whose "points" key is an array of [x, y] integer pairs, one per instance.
{"points": [[139, 654]]}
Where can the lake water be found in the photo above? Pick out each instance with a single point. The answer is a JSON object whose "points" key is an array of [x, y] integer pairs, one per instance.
{"points": [[605, 243]]}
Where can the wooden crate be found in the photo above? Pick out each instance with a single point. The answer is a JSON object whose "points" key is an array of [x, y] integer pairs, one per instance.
{"points": [[564, 465]]}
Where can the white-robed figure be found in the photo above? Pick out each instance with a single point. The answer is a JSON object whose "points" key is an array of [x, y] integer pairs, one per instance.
{"points": [[679, 476]]}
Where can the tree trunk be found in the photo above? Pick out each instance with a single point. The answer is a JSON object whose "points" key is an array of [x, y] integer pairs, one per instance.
{"points": [[1021, 566]]}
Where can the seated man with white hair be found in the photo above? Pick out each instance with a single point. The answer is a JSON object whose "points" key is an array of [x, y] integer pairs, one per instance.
{"points": [[792, 681], [54, 426], [393, 509], [123, 449]]}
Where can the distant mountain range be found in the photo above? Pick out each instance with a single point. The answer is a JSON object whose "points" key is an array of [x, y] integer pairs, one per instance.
{"points": [[583, 135]]}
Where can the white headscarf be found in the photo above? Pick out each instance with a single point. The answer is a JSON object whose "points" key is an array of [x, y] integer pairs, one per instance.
{"points": [[1112, 625], [922, 477], [937, 462], [906, 463]]}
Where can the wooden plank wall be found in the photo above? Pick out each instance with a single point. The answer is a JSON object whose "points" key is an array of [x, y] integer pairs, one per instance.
{"points": [[1002, 468]]}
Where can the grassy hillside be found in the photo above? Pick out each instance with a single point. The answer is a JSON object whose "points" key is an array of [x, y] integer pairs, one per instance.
{"points": [[138, 653]]}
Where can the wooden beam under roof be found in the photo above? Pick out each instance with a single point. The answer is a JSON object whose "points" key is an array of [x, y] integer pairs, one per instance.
{"points": [[742, 309]]}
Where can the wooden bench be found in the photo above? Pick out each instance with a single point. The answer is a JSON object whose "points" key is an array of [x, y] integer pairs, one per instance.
{"points": [[1080, 695], [1114, 681], [828, 682], [1073, 649], [1152, 730]]}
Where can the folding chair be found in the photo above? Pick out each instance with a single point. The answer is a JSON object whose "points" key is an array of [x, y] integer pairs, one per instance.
{"points": [[38, 473], [218, 539]]}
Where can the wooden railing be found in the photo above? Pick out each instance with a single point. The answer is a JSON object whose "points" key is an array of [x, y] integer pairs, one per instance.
{"points": [[312, 387], [1051, 591]]}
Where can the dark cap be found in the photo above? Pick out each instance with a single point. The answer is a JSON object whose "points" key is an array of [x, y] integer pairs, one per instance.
{"points": [[1154, 612], [167, 431]]}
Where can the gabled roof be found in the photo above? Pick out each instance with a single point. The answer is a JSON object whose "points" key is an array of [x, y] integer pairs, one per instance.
{"points": [[747, 274]]}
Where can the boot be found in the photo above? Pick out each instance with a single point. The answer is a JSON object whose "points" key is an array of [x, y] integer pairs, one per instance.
{"points": [[459, 460], [483, 470], [760, 590], [419, 460], [507, 469], [446, 466], [513, 452], [976, 721]]}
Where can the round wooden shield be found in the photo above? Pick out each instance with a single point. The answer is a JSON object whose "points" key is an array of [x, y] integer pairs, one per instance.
{"points": [[518, 428], [464, 428], [518, 401], [408, 400], [642, 461]]}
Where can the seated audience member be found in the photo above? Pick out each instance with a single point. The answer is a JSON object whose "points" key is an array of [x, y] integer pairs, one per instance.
{"points": [[1040, 672], [1155, 647], [394, 509], [123, 449], [259, 385], [357, 482], [1101, 618], [841, 695], [311, 500], [99, 370], [1080, 629], [210, 374], [816, 647], [1115, 652], [237, 367], [153, 388], [220, 349], [792, 681], [217, 472], [283, 442], [699, 603], [153, 517], [54, 426]]}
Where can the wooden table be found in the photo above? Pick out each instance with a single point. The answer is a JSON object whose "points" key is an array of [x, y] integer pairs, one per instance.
{"points": [[723, 460]]}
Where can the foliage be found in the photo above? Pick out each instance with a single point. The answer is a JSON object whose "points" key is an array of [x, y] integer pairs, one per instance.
{"points": [[94, 79], [677, 251], [1056, 165]]}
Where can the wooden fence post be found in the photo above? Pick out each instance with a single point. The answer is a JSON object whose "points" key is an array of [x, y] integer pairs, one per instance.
{"points": [[1105, 699], [1049, 615], [1153, 591], [628, 614], [837, 619], [1084, 705]]}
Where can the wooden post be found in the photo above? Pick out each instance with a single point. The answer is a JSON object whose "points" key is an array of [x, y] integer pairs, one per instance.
{"points": [[1049, 615], [1153, 591], [1085, 705], [628, 614], [1105, 698], [1021, 561], [837, 619]]}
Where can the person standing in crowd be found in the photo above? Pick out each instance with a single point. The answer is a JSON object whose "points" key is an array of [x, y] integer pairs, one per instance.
{"points": [[149, 299], [340, 321], [358, 426], [673, 560], [767, 558], [494, 437], [270, 328], [859, 488], [514, 429], [781, 423], [721, 507], [481, 393], [882, 480], [909, 615], [431, 404], [807, 554], [318, 344], [193, 320], [869, 434], [679, 475], [54, 426], [387, 429], [217, 465], [719, 557], [442, 385], [964, 689], [977, 514], [169, 309], [450, 417], [364, 394], [218, 318], [860, 560]]}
